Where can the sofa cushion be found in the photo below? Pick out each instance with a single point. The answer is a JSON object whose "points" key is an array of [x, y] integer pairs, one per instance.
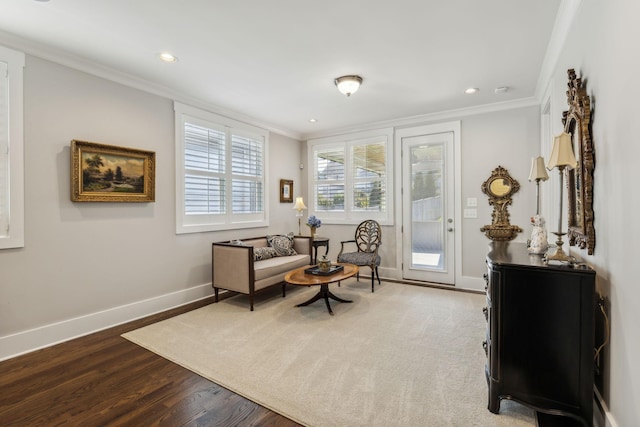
{"points": [[266, 252], [283, 244], [279, 266]]}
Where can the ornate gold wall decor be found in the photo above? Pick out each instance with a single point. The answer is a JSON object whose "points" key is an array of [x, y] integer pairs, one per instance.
{"points": [[577, 122], [499, 188], [107, 173]]}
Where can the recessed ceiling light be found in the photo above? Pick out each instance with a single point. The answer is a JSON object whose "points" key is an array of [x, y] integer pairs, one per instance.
{"points": [[313, 121], [167, 57], [501, 89], [471, 90]]}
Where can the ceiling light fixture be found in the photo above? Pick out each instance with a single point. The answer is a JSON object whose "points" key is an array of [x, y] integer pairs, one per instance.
{"points": [[348, 84], [313, 120], [167, 57], [471, 90]]}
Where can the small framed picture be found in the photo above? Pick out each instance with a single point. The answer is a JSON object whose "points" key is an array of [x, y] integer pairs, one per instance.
{"points": [[286, 191], [107, 173]]}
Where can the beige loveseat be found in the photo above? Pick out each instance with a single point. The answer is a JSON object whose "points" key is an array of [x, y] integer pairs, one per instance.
{"points": [[235, 269]]}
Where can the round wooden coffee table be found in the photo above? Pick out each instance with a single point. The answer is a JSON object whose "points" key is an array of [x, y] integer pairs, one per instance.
{"points": [[299, 277]]}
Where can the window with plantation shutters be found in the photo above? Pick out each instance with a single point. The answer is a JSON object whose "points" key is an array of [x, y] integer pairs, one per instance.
{"points": [[221, 172], [351, 177], [11, 150]]}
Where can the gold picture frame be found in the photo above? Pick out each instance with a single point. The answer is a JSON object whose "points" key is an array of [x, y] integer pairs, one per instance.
{"points": [[107, 173], [286, 191]]}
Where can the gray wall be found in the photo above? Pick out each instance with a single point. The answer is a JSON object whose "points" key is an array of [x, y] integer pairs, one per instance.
{"points": [[602, 47]]}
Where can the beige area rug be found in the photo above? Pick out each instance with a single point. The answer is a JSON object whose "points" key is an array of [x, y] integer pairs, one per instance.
{"points": [[402, 356]]}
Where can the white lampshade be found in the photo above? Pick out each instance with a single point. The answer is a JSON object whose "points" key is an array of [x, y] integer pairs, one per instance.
{"points": [[348, 84], [562, 152], [299, 206], [538, 171]]}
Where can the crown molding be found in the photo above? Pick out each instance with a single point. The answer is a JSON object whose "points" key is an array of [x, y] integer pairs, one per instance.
{"points": [[430, 117], [564, 19], [75, 62]]}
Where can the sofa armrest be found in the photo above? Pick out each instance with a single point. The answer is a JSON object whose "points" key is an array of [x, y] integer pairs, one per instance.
{"points": [[302, 244], [232, 267]]}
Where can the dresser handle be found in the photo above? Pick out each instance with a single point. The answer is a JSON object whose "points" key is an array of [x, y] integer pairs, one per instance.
{"points": [[485, 347], [485, 310]]}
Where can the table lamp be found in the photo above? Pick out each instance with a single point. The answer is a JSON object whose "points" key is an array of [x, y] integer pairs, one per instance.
{"points": [[562, 157], [538, 242], [299, 207]]}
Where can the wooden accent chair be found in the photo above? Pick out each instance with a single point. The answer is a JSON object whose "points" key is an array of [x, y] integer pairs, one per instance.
{"points": [[368, 238]]}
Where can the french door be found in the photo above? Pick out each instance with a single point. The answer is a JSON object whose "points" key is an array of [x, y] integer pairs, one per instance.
{"points": [[428, 229]]}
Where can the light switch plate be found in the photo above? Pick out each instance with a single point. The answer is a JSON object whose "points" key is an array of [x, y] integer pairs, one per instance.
{"points": [[471, 213], [472, 202]]}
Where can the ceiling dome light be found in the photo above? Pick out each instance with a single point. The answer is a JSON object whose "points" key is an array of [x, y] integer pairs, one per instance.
{"points": [[167, 57], [471, 90], [348, 84]]}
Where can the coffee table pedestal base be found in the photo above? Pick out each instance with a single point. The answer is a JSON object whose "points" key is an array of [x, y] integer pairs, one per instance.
{"points": [[325, 294]]}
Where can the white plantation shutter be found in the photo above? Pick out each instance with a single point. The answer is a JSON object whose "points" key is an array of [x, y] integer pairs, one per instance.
{"points": [[221, 174], [247, 164], [329, 178], [204, 163], [368, 175], [4, 149]]}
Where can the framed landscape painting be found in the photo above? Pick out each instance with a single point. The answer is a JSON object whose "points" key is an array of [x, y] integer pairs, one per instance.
{"points": [[106, 173]]}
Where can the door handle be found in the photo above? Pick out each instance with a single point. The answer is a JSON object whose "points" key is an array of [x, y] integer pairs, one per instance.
{"points": [[450, 229]]}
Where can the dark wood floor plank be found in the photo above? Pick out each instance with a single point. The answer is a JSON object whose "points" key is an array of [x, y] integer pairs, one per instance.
{"points": [[104, 380]]}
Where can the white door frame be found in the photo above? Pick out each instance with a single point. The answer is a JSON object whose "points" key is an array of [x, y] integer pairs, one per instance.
{"points": [[453, 127]]}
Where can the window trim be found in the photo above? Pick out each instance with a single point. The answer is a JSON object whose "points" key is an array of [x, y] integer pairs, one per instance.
{"points": [[347, 141], [14, 237], [229, 220]]}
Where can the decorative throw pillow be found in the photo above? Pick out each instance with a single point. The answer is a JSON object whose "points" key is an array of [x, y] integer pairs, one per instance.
{"points": [[283, 244], [264, 253]]}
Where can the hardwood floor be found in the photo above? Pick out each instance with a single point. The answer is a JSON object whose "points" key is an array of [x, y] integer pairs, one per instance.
{"points": [[104, 380]]}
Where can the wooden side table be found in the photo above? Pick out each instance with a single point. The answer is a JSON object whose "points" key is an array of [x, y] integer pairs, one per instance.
{"points": [[317, 242]]}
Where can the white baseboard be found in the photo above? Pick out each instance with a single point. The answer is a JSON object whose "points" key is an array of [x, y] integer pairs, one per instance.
{"points": [[465, 282], [471, 283], [606, 416], [55, 333]]}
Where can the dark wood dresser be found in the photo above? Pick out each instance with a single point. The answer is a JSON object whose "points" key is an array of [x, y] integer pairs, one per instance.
{"points": [[540, 333]]}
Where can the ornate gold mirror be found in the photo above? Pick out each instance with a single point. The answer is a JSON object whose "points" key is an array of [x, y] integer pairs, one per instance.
{"points": [[577, 122], [499, 187]]}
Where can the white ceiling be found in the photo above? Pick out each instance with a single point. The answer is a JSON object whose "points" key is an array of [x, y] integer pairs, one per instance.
{"points": [[275, 61]]}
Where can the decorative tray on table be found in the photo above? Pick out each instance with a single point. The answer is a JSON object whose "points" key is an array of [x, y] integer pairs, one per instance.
{"points": [[316, 270]]}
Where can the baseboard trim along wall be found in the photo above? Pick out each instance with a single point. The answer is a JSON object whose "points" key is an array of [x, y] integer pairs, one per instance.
{"points": [[55, 333], [602, 415]]}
